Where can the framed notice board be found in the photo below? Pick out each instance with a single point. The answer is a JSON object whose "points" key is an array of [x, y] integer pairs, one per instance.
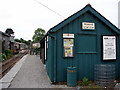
{"points": [[109, 48], [68, 44], [68, 47]]}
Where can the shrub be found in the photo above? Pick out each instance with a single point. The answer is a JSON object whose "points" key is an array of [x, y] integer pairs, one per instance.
{"points": [[85, 81], [2, 60], [8, 53], [3, 57]]}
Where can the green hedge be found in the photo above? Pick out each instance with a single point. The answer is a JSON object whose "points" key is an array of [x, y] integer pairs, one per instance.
{"points": [[7, 54]]}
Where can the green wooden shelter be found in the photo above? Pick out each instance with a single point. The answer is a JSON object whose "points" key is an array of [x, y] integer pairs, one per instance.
{"points": [[82, 40]]}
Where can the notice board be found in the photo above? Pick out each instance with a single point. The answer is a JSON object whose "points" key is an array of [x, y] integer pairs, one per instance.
{"points": [[109, 47]]}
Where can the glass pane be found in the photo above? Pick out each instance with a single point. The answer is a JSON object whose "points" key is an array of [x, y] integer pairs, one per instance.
{"points": [[68, 42], [68, 47]]}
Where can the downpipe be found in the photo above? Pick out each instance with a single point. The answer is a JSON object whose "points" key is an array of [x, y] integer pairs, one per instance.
{"points": [[55, 54]]}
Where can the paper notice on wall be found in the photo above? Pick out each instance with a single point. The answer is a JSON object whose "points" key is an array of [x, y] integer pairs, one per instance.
{"points": [[109, 47]]}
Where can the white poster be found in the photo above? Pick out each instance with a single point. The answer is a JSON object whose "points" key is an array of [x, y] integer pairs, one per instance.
{"points": [[109, 47]]}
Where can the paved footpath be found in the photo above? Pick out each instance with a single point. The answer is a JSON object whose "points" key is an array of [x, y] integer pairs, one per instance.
{"points": [[7, 79], [32, 75]]}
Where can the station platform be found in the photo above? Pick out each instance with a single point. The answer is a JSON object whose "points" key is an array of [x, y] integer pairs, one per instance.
{"points": [[29, 72]]}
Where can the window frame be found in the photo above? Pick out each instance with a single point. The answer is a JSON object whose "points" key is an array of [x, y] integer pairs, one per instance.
{"points": [[103, 48]]}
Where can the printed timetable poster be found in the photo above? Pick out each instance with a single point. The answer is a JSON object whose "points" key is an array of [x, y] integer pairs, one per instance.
{"points": [[109, 47]]}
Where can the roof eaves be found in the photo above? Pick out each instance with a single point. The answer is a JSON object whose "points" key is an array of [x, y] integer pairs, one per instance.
{"points": [[69, 19], [5, 34], [103, 19], [82, 11]]}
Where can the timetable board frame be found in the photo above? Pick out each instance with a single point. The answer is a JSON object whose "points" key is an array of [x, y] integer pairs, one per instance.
{"points": [[109, 48]]}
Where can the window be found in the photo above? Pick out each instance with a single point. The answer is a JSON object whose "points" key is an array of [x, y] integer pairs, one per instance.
{"points": [[86, 43]]}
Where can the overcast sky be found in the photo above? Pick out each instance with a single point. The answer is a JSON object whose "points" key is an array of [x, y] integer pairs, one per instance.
{"points": [[25, 16]]}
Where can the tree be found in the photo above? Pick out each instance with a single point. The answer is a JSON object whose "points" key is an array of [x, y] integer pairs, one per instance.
{"points": [[9, 31], [23, 41], [17, 40], [38, 34], [28, 42]]}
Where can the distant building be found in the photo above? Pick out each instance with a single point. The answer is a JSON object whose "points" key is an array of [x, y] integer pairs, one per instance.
{"points": [[20, 46], [119, 14], [5, 40], [35, 45], [12, 42]]}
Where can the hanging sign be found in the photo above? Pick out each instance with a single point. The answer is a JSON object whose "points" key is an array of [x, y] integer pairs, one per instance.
{"points": [[67, 35], [88, 25], [109, 47]]}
